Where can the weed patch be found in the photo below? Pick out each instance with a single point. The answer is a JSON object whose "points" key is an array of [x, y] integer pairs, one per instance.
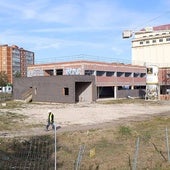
{"points": [[11, 120]]}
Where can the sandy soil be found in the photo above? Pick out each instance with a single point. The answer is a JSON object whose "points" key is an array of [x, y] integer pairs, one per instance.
{"points": [[88, 115]]}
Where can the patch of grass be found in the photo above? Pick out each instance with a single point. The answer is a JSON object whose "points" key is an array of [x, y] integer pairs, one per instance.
{"points": [[103, 143], [156, 123], [147, 135], [129, 101], [125, 131], [12, 105], [11, 120]]}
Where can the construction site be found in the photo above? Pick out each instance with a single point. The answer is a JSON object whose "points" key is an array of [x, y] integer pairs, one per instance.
{"points": [[107, 115], [106, 135]]}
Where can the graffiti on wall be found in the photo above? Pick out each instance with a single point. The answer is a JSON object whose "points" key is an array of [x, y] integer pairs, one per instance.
{"points": [[73, 71], [35, 72], [152, 88], [152, 92]]}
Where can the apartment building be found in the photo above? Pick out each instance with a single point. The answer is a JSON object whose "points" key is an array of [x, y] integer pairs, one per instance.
{"points": [[14, 61], [151, 46]]}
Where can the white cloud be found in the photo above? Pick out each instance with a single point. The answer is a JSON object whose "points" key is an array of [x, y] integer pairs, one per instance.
{"points": [[73, 24], [36, 42]]}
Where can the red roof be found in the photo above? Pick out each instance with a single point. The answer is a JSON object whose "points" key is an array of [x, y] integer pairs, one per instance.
{"points": [[159, 28], [162, 27]]}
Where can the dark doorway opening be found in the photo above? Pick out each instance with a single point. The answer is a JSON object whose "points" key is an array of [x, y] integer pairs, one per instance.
{"points": [[105, 92]]}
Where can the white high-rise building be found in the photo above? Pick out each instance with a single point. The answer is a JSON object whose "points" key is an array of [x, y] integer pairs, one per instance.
{"points": [[151, 46]]}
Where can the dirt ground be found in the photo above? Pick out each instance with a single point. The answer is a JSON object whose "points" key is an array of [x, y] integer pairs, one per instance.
{"points": [[85, 115]]}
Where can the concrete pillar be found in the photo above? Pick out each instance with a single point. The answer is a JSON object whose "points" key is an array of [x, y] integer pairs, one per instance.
{"points": [[54, 72], [115, 92], [132, 87], [95, 72]]}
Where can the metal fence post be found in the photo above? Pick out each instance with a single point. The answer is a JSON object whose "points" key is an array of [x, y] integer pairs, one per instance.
{"points": [[167, 142], [55, 147], [136, 155], [79, 157]]}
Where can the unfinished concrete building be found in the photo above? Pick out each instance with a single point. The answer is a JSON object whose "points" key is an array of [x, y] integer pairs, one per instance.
{"points": [[108, 80]]}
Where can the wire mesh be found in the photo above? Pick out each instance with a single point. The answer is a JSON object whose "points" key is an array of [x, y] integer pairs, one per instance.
{"points": [[104, 152], [34, 154]]}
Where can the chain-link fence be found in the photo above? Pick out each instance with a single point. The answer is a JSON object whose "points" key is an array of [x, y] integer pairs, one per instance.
{"points": [[125, 150]]}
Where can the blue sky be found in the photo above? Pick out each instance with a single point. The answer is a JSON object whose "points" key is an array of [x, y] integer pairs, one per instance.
{"points": [[71, 29]]}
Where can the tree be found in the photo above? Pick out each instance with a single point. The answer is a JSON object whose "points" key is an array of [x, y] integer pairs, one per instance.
{"points": [[3, 78], [17, 74]]}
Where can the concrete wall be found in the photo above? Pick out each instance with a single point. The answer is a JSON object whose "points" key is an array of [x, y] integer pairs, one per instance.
{"points": [[132, 93], [21, 86], [56, 88]]}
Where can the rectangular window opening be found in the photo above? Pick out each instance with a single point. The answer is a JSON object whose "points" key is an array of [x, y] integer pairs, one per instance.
{"points": [[66, 91], [161, 40], [59, 71], [154, 41]]}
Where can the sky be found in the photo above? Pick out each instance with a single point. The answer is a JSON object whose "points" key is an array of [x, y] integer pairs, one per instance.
{"points": [[64, 30]]}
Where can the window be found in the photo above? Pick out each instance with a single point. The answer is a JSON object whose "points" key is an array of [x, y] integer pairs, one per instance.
{"points": [[142, 74], [147, 42], [59, 72], [120, 74], [161, 40], [127, 74], [154, 41], [49, 72], [141, 42], [89, 72], [66, 91], [136, 75], [109, 74], [149, 70], [168, 76], [100, 73], [168, 39]]}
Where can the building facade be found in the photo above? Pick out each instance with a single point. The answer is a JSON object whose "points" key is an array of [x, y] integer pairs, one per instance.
{"points": [[151, 46], [58, 89], [112, 80], [14, 61]]}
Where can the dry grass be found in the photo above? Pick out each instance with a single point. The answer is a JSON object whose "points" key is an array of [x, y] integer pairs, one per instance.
{"points": [[12, 105], [129, 101], [11, 121], [114, 145]]}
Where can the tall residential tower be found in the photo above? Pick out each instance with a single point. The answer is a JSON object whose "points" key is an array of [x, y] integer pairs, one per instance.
{"points": [[14, 61]]}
